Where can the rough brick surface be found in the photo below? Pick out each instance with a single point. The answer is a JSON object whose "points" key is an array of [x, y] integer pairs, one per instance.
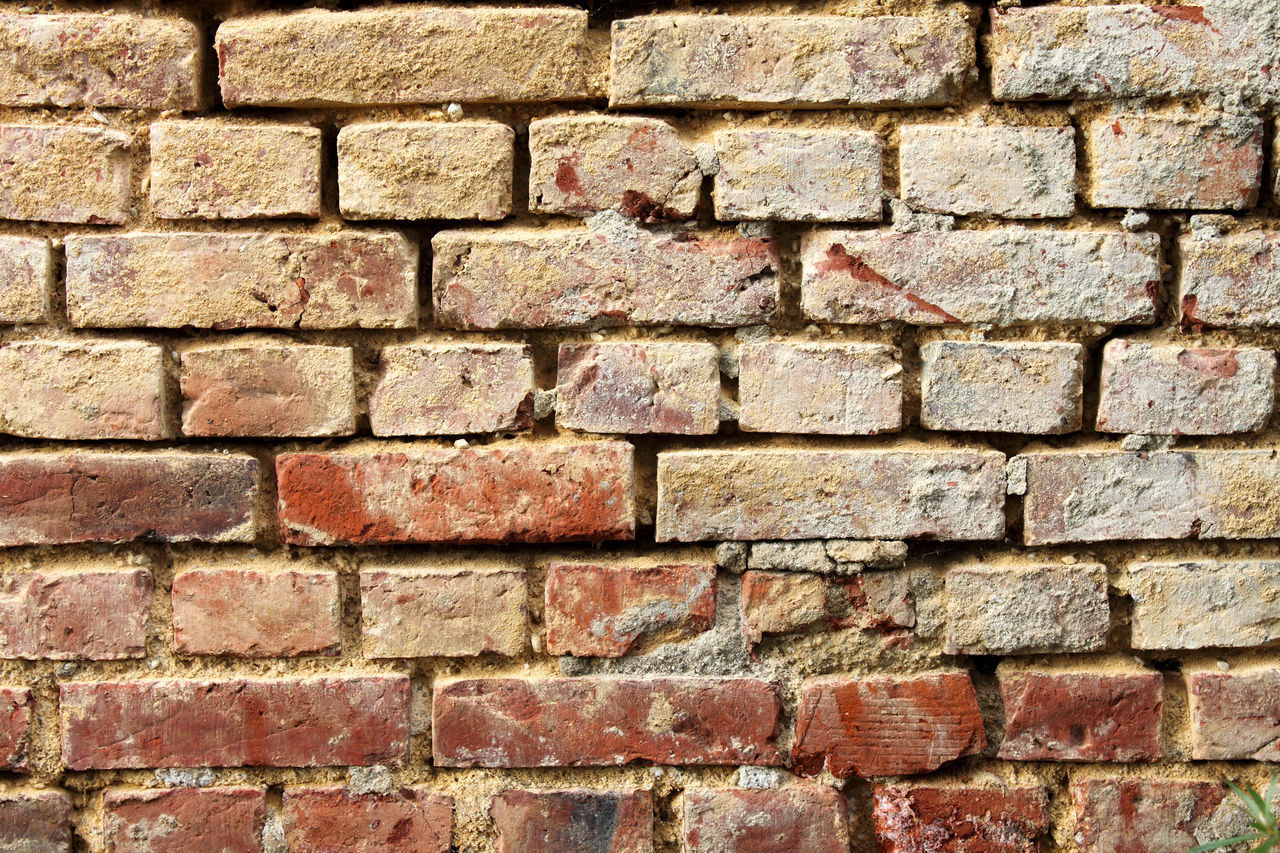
{"points": [[1231, 281], [26, 267], [807, 494], [425, 170], [83, 390], [1013, 172], [515, 493], [793, 60], [886, 726], [636, 166], [278, 722], [16, 705], [997, 387], [74, 614], [218, 170], [602, 721], [612, 276], [936, 819], [64, 174], [802, 818], [807, 175], [1199, 604], [588, 820], [406, 820], [35, 822], [277, 391], [1005, 277], [786, 602], [639, 388], [184, 819], [1233, 714], [822, 388], [365, 279], [1081, 716], [1176, 390], [1152, 815]]}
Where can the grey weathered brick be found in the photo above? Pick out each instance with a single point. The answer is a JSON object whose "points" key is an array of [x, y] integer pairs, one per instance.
{"points": [[999, 609], [1230, 281], [1195, 604]]}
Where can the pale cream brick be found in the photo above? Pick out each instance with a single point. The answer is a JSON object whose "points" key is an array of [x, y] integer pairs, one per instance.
{"points": [[426, 170], [1196, 604], [1026, 609], [1013, 172], [219, 170], [811, 175], [26, 280], [64, 173]]}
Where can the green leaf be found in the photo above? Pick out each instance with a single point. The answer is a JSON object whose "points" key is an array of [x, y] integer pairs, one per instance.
{"points": [[1252, 803], [1265, 848], [1227, 842]]}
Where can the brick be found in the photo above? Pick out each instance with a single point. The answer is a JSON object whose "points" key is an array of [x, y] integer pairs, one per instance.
{"points": [[83, 390], [269, 722], [1196, 604], [1128, 51], [75, 614], [1026, 609], [635, 165], [604, 721], [787, 602], [1152, 815], [1090, 496], [64, 173], [831, 556], [1175, 160], [446, 612], [767, 61], [1011, 172], [49, 498], [584, 278], [1230, 282], [965, 819], [495, 493], [639, 388], [1002, 387], [274, 280], [1152, 389], [576, 819], [100, 60], [230, 820], [819, 388], [775, 493], [805, 175], [276, 391], [255, 612], [35, 822], [220, 170], [16, 705], [426, 170], [450, 389], [26, 268], [885, 726], [407, 820], [424, 55], [1004, 277], [1081, 716], [603, 610], [802, 818], [1234, 714]]}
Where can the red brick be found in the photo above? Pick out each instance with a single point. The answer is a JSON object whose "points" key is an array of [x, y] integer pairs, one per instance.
{"points": [[273, 280], [275, 391], [1231, 282], [174, 496], [255, 612], [407, 820], [35, 822], [1151, 815], [495, 493], [606, 610], [607, 276], [64, 173], [886, 726], [26, 267], [798, 818], [74, 615], [15, 728], [100, 60], [1005, 277], [178, 820], [604, 721], [1236, 714], [786, 602], [446, 612], [639, 388], [301, 722], [1081, 716], [584, 821], [937, 819], [423, 55], [452, 389]]}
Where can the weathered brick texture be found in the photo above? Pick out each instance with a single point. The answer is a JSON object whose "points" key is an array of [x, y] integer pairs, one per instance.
{"points": [[64, 174], [408, 820], [922, 818], [536, 821], [74, 614], [26, 265], [178, 819], [799, 817]]}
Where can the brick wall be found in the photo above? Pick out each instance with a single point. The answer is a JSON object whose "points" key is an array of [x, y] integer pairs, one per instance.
{"points": [[831, 427]]}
